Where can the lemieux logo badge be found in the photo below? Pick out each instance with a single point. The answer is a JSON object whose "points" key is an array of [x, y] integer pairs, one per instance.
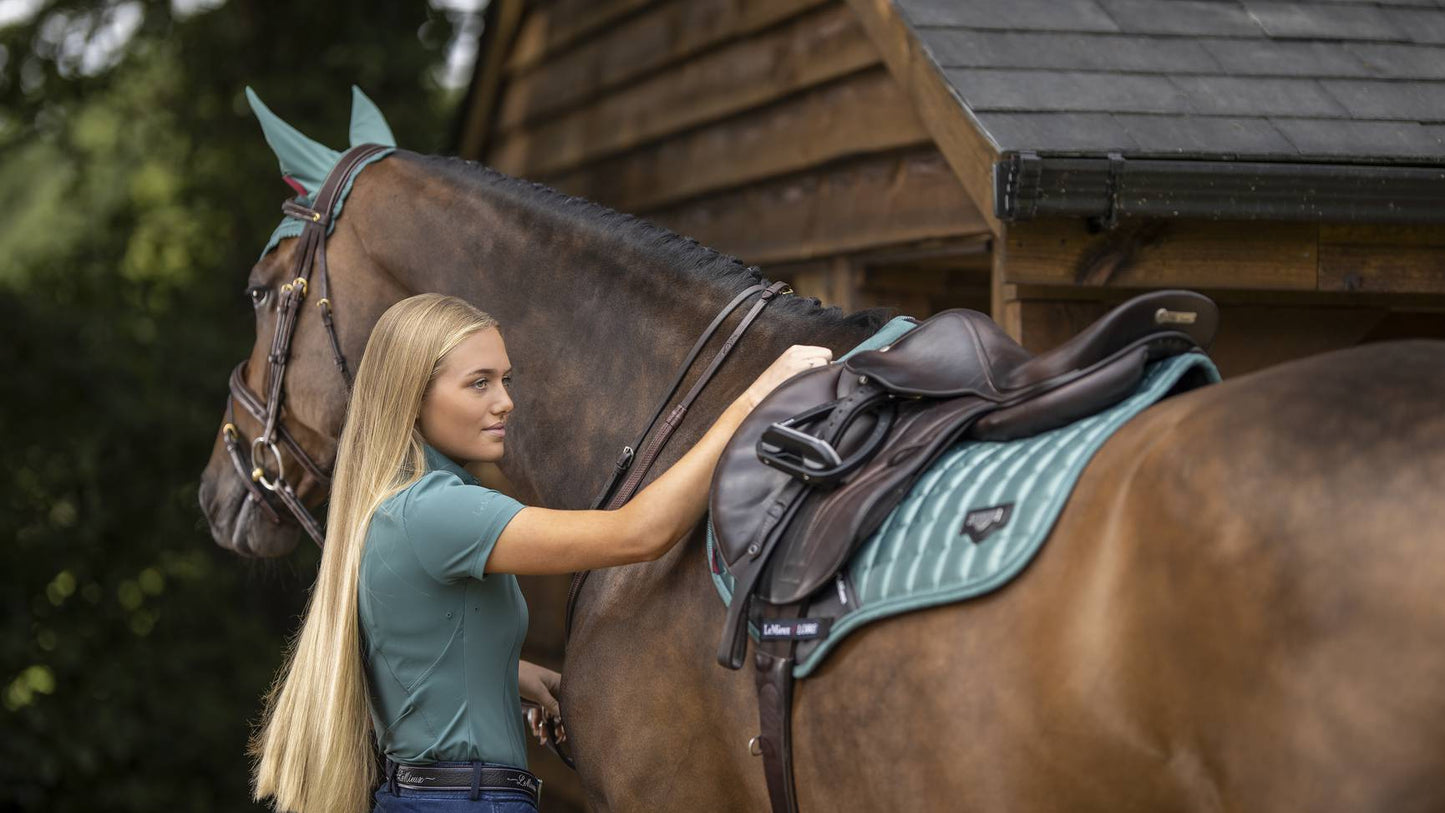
{"points": [[981, 523], [799, 628]]}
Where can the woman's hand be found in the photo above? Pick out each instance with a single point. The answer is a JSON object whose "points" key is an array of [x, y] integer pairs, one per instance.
{"points": [[794, 360], [540, 686]]}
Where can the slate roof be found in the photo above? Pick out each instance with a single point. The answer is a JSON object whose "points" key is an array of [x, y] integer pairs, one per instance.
{"points": [[1337, 81]]}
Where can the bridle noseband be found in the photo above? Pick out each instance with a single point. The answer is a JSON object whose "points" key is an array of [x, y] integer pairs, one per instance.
{"points": [[310, 250]]}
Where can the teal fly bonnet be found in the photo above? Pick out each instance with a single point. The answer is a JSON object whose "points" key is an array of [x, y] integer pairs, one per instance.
{"points": [[305, 163]]}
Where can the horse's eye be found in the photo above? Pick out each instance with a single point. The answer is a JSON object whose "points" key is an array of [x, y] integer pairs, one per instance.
{"points": [[258, 295]]}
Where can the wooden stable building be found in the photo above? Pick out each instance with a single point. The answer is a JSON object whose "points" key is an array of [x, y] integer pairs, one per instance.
{"points": [[1031, 158], [1036, 159]]}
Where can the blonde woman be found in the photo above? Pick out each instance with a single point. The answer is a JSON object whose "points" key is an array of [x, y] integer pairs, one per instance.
{"points": [[411, 638]]}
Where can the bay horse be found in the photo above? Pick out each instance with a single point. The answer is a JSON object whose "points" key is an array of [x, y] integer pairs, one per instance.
{"points": [[1240, 607]]}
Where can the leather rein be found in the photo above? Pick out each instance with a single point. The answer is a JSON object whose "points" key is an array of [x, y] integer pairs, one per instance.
{"points": [[634, 465], [310, 251]]}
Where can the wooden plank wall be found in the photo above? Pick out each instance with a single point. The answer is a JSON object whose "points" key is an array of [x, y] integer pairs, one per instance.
{"points": [[773, 131], [1286, 290], [767, 129]]}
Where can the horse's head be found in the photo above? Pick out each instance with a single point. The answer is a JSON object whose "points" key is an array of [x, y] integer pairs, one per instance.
{"points": [[269, 467]]}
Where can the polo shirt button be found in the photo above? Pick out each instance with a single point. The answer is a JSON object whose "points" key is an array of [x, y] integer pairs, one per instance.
{"points": [[449, 615]]}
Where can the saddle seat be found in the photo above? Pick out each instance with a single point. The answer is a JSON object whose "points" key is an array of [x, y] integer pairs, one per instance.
{"points": [[822, 460], [963, 352]]}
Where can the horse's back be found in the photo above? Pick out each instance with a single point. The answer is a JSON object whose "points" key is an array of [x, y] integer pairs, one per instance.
{"points": [[1238, 607]]}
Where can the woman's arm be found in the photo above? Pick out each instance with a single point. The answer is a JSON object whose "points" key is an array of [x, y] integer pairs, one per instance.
{"points": [[543, 541]]}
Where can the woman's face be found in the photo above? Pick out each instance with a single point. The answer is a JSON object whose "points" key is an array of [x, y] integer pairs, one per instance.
{"points": [[465, 408]]}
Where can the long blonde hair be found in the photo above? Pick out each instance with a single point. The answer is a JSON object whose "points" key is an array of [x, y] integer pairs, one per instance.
{"points": [[314, 749]]}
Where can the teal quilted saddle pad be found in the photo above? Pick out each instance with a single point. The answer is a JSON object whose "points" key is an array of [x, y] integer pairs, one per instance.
{"points": [[977, 517]]}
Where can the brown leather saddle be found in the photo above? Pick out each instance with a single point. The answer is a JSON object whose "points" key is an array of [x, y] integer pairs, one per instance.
{"points": [[821, 462]]}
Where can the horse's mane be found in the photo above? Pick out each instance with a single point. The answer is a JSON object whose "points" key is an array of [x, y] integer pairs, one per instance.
{"points": [[671, 250]]}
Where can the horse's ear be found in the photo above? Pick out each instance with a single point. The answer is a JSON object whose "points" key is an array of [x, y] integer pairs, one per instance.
{"points": [[303, 161], [368, 126]]}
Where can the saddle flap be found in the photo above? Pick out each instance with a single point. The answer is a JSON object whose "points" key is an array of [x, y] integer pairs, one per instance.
{"points": [[827, 529], [741, 486]]}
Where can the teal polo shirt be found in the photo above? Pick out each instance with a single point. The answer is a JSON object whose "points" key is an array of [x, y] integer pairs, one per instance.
{"points": [[440, 638]]}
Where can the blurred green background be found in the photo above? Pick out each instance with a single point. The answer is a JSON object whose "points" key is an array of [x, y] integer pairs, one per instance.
{"points": [[136, 191]]}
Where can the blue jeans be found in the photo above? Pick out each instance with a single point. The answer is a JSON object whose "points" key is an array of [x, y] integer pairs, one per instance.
{"points": [[489, 800]]}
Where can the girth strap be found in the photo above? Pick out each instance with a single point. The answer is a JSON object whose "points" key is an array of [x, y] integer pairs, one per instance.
{"points": [[774, 672]]}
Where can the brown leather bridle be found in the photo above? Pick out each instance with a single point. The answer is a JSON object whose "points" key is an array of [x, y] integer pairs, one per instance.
{"points": [[311, 250]]}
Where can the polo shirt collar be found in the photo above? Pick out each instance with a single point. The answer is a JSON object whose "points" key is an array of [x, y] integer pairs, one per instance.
{"points": [[435, 460]]}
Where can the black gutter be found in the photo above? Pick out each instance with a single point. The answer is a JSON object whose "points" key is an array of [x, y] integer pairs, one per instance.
{"points": [[1027, 186]]}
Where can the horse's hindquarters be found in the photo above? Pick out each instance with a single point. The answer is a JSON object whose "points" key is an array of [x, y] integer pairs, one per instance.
{"points": [[1236, 608]]}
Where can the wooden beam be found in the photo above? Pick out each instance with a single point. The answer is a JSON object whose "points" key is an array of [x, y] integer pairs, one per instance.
{"points": [[924, 291], [643, 43], [1254, 337], [971, 248], [835, 281], [889, 199], [963, 142], [860, 114], [1389, 259], [1162, 254], [1250, 337], [1003, 296], [1044, 325], [555, 26], [746, 74], [503, 19], [963, 281]]}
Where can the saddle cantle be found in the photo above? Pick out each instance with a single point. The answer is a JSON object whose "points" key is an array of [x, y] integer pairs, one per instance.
{"points": [[822, 460]]}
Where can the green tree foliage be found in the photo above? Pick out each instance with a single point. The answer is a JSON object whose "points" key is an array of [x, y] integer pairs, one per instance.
{"points": [[135, 193]]}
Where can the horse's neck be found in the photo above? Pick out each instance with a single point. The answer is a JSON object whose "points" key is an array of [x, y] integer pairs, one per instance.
{"points": [[596, 327]]}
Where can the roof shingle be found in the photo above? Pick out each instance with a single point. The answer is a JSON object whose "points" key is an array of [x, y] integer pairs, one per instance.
{"points": [[1328, 80]]}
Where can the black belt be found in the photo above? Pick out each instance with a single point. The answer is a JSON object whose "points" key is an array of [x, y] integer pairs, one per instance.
{"points": [[472, 778]]}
